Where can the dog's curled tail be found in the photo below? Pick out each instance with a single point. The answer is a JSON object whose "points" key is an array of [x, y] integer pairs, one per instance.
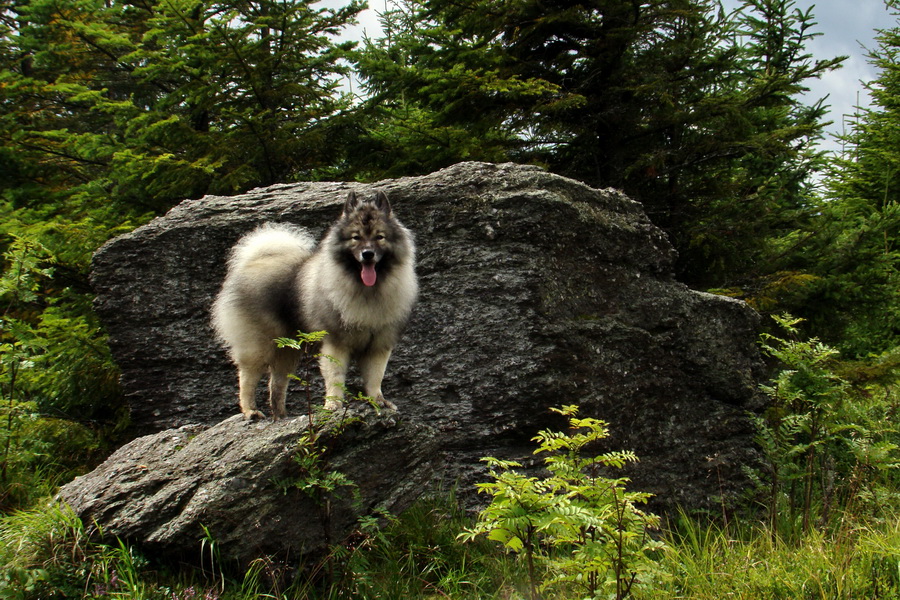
{"points": [[270, 240]]}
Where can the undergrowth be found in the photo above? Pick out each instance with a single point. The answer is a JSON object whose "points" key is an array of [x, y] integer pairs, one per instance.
{"points": [[44, 554], [750, 561]]}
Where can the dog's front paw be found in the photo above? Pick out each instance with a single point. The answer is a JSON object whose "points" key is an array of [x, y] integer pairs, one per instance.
{"points": [[252, 415], [384, 403], [332, 403]]}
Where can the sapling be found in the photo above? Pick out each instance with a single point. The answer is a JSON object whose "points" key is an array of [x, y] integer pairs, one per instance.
{"points": [[583, 528], [317, 478], [818, 435]]}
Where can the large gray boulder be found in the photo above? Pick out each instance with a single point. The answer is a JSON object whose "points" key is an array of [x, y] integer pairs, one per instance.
{"points": [[536, 291]]}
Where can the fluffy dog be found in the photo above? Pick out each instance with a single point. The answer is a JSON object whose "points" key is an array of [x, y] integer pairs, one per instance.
{"points": [[359, 285]]}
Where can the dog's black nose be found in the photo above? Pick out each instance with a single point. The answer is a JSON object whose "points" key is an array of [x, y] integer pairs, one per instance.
{"points": [[368, 254]]}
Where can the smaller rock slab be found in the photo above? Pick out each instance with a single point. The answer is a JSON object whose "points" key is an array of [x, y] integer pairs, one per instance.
{"points": [[164, 491]]}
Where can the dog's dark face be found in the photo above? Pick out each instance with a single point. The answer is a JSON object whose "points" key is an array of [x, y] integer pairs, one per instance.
{"points": [[367, 237]]}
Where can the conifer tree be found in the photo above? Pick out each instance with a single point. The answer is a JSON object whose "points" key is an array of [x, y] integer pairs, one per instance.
{"points": [[853, 250], [691, 111], [146, 103], [112, 111]]}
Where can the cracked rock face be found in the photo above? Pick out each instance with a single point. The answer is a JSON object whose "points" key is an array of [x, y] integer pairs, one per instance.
{"points": [[536, 291], [238, 484]]}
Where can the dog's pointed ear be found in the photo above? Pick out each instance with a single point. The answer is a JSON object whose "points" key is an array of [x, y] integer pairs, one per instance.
{"points": [[351, 203], [382, 203]]}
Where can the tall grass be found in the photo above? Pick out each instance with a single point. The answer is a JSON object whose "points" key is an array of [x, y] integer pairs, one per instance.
{"points": [[706, 561], [45, 554]]}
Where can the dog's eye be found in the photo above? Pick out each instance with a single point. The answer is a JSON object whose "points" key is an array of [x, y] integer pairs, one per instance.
{"points": [[379, 237], [355, 237]]}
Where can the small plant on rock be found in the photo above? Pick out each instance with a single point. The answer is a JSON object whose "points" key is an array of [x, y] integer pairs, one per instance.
{"points": [[581, 528], [317, 478], [304, 343]]}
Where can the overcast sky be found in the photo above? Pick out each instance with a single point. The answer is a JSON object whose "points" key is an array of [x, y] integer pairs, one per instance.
{"points": [[847, 27]]}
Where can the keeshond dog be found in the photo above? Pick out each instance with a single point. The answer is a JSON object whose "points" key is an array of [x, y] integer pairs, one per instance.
{"points": [[359, 285]]}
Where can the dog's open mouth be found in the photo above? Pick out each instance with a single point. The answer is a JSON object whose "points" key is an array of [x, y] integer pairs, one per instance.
{"points": [[368, 274]]}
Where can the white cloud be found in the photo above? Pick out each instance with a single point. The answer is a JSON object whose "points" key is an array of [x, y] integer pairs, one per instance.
{"points": [[367, 25], [848, 28]]}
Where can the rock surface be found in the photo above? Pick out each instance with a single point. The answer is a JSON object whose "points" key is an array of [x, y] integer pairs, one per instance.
{"points": [[536, 291], [238, 484]]}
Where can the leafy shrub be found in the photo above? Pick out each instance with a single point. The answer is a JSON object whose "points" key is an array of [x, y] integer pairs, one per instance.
{"points": [[56, 376], [583, 527], [825, 443]]}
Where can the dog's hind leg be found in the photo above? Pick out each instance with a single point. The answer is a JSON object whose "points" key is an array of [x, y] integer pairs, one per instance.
{"points": [[284, 364], [333, 363], [277, 392], [248, 379], [373, 365]]}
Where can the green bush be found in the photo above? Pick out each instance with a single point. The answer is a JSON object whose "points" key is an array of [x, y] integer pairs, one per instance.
{"points": [[58, 386], [583, 527], [826, 444]]}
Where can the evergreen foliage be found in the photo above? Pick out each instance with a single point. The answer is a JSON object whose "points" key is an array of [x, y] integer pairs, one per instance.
{"points": [[691, 111], [826, 444], [52, 364], [112, 111], [583, 526], [145, 104], [853, 251]]}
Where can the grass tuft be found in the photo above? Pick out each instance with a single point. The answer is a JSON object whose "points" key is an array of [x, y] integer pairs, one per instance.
{"points": [[45, 554]]}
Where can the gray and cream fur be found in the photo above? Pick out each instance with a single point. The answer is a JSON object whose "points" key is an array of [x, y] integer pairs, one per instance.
{"points": [[359, 285]]}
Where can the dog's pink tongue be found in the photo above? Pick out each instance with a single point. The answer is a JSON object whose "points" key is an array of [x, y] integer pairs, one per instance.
{"points": [[368, 275]]}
